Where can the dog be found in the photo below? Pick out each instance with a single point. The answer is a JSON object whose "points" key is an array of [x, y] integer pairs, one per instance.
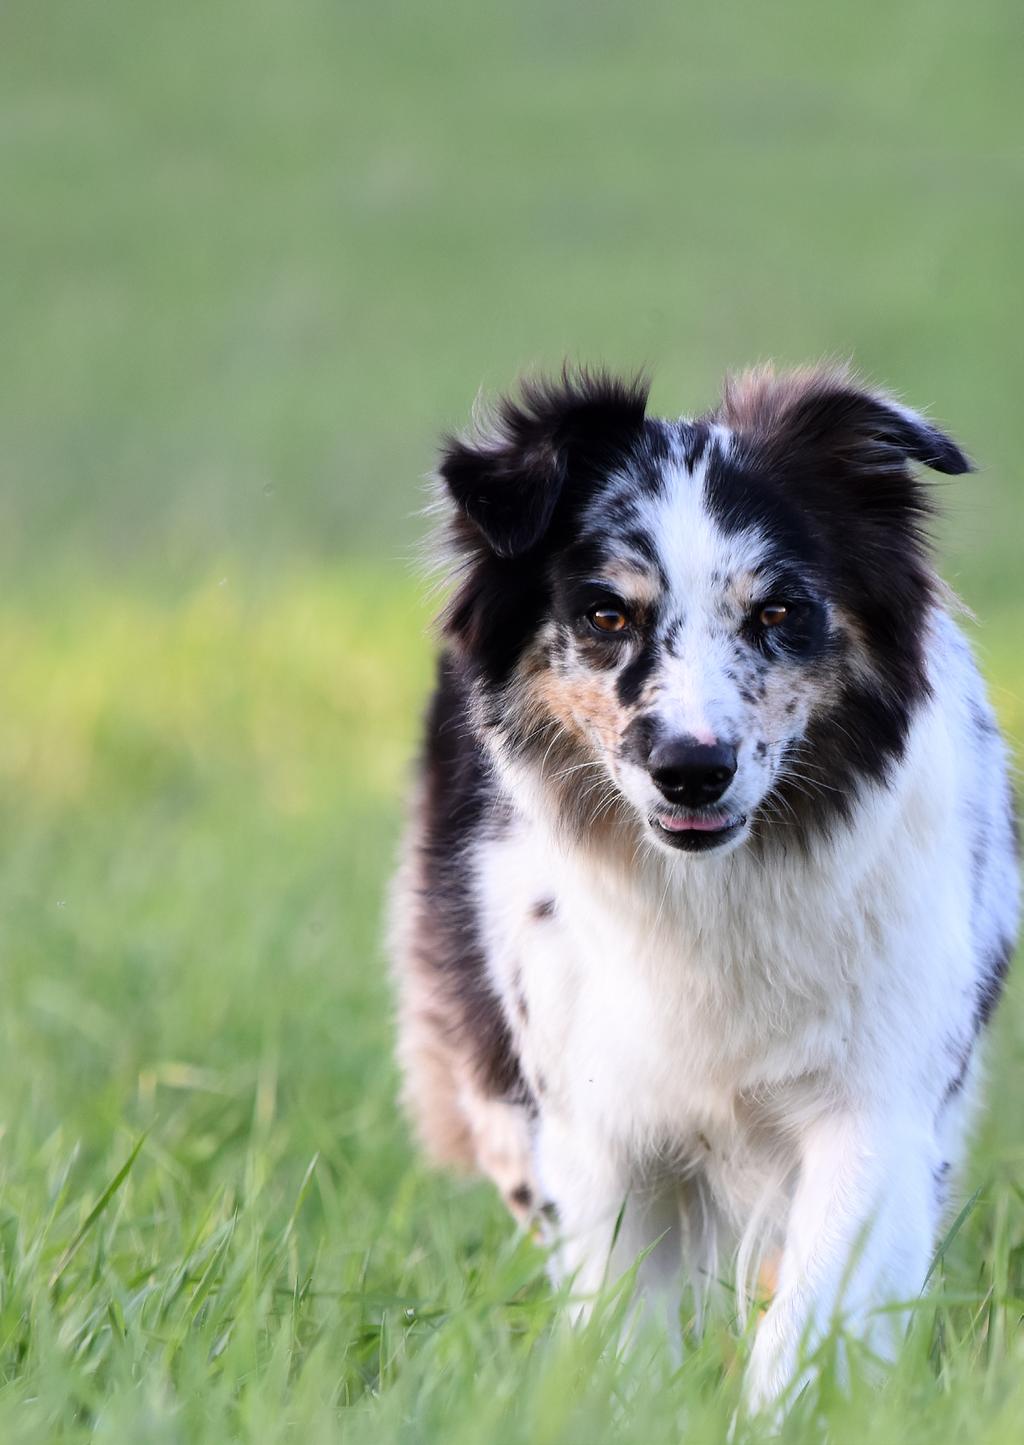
{"points": [[710, 882]]}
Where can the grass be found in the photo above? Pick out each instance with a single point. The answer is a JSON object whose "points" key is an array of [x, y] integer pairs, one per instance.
{"points": [[212, 1225], [256, 254]]}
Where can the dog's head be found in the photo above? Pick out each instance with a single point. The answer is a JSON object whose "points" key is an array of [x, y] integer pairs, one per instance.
{"points": [[702, 630]]}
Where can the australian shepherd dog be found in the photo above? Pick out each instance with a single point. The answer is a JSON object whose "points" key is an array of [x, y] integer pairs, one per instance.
{"points": [[710, 880]]}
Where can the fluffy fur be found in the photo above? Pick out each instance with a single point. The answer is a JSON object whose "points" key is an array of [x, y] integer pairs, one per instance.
{"points": [[710, 884]]}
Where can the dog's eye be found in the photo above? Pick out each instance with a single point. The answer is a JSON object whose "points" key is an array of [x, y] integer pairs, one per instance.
{"points": [[608, 619], [772, 613]]}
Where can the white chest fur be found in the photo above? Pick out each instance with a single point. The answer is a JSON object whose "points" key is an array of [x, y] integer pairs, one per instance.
{"points": [[716, 1004]]}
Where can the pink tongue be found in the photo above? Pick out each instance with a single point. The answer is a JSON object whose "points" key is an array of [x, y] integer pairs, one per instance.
{"points": [[696, 825]]}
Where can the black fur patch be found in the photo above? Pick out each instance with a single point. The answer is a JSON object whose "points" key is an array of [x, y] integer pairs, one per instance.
{"points": [[457, 808], [695, 437], [518, 494], [638, 740], [741, 493], [857, 741], [541, 449], [633, 677]]}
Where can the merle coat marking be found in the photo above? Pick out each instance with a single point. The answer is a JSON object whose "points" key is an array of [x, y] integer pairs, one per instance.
{"points": [[711, 882]]}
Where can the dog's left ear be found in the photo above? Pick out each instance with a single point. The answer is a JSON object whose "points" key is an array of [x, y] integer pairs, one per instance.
{"points": [[509, 478], [824, 411]]}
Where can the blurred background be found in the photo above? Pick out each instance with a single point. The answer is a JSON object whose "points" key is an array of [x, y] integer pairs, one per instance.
{"points": [[254, 257], [257, 254]]}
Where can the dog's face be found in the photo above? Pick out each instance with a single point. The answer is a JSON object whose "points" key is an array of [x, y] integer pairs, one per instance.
{"points": [[688, 653], [695, 631]]}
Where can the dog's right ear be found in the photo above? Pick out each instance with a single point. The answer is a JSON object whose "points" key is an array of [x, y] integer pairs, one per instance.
{"points": [[509, 477]]}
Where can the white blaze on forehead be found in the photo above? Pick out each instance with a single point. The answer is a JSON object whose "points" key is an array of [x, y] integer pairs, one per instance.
{"points": [[698, 557]]}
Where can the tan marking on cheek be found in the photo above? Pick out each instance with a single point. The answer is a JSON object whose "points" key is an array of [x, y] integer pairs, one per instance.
{"points": [[579, 716], [585, 705]]}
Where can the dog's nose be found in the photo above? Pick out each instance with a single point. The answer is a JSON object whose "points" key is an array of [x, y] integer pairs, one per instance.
{"points": [[692, 774]]}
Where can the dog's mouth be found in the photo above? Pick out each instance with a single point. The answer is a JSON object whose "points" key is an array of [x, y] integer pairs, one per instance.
{"points": [[697, 832]]}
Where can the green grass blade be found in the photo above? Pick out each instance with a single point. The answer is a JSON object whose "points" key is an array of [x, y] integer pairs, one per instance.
{"points": [[952, 1232], [95, 1212]]}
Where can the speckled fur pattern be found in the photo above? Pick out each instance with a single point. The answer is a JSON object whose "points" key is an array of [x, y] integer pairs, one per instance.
{"points": [[729, 1032]]}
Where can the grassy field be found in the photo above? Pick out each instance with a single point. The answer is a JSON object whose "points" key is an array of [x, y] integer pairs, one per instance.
{"points": [[199, 807], [255, 256]]}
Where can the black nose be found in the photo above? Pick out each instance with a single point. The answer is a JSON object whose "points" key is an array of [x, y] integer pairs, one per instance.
{"points": [[692, 774]]}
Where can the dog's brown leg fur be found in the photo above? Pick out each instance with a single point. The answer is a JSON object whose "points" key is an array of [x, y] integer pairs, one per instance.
{"points": [[457, 1123]]}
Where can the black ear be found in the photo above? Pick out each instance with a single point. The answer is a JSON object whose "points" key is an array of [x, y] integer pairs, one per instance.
{"points": [[509, 478], [874, 427], [823, 411]]}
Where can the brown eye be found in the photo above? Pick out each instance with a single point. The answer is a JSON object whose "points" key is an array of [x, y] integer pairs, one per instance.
{"points": [[772, 614], [609, 619]]}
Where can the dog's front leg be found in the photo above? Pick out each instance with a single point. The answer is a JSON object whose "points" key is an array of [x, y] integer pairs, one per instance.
{"points": [[858, 1238], [604, 1220]]}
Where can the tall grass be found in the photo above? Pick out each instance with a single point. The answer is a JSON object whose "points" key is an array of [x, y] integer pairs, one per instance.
{"points": [[212, 1226]]}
